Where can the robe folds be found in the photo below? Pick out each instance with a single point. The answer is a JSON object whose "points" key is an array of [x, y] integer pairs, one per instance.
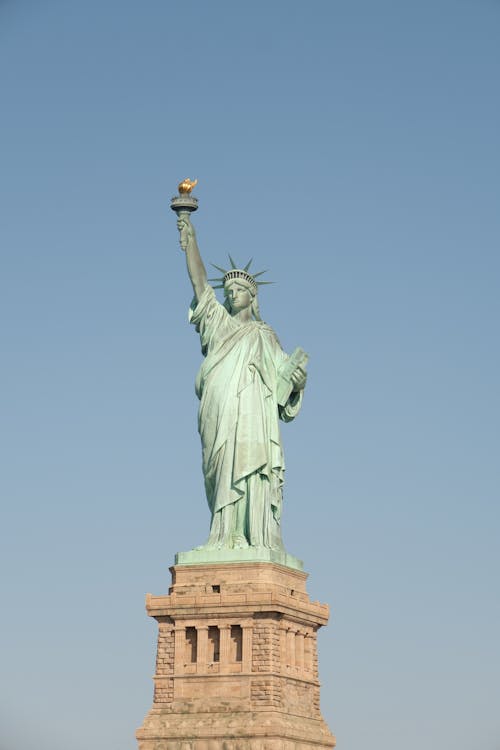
{"points": [[238, 422]]}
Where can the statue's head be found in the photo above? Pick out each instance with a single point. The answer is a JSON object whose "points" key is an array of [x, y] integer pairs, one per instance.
{"points": [[240, 289], [240, 293]]}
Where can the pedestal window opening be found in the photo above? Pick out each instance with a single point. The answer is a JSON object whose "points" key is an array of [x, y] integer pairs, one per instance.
{"points": [[236, 643], [191, 645], [213, 644]]}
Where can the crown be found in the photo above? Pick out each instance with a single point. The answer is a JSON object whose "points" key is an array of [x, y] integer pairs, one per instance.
{"points": [[238, 273]]}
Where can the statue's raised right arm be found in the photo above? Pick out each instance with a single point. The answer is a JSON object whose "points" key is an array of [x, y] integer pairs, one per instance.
{"points": [[196, 268]]}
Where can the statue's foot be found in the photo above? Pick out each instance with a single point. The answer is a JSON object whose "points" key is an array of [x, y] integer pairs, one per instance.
{"points": [[240, 542], [208, 545], [213, 545]]}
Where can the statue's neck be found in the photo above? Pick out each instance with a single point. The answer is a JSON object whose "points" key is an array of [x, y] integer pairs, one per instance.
{"points": [[243, 316]]}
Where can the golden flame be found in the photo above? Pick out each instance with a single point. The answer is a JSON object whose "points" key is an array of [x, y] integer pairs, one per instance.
{"points": [[186, 186]]}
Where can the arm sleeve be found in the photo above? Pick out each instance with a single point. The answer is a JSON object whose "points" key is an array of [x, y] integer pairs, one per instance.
{"points": [[208, 316], [292, 407]]}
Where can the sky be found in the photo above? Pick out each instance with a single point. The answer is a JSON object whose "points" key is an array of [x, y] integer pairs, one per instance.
{"points": [[350, 147]]}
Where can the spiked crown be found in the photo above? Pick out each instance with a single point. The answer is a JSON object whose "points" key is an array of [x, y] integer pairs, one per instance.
{"points": [[238, 273]]}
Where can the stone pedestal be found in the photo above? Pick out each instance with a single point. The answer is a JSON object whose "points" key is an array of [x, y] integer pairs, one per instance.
{"points": [[237, 665]]}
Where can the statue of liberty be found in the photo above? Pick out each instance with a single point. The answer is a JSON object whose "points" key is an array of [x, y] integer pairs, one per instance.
{"points": [[246, 384]]}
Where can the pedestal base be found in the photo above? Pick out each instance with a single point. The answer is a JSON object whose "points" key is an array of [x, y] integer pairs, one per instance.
{"points": [[237, 661], [207, 555]]}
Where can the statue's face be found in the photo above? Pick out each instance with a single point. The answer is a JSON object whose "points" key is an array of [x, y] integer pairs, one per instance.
{"points": [[238, 296]]}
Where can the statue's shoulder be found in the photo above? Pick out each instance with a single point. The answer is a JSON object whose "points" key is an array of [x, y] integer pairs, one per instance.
{"points": [[206, 306], [267, 332], [264, 327]]}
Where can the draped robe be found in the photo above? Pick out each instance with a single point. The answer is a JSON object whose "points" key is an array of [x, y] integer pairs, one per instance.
{"points": [[238, 423]]}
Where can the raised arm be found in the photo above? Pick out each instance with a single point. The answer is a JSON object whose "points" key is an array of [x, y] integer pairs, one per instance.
{"points": [[196, 269]]}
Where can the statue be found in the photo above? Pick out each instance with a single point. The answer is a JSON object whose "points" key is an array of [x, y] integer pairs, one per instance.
{"points": [[246, 383]]}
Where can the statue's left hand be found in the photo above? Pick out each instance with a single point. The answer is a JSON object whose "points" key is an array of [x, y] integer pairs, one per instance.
{"points": [[299, 378]]}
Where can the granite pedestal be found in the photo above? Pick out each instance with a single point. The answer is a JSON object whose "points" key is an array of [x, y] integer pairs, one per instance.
{"points": [[237, 664]]}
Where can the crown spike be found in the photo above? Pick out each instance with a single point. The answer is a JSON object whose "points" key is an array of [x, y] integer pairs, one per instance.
{"points": [[233, 264], [260, 273], [222, 270], [248, 264]]}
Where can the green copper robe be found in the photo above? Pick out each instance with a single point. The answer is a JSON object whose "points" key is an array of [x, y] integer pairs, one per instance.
{"points": [[238, 423]]}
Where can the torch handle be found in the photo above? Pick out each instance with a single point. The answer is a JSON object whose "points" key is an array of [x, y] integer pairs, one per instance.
{"points": [[184, 230]]}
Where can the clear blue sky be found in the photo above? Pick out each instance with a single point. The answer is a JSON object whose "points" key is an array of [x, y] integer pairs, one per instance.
{"points": [[351, 147]]}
